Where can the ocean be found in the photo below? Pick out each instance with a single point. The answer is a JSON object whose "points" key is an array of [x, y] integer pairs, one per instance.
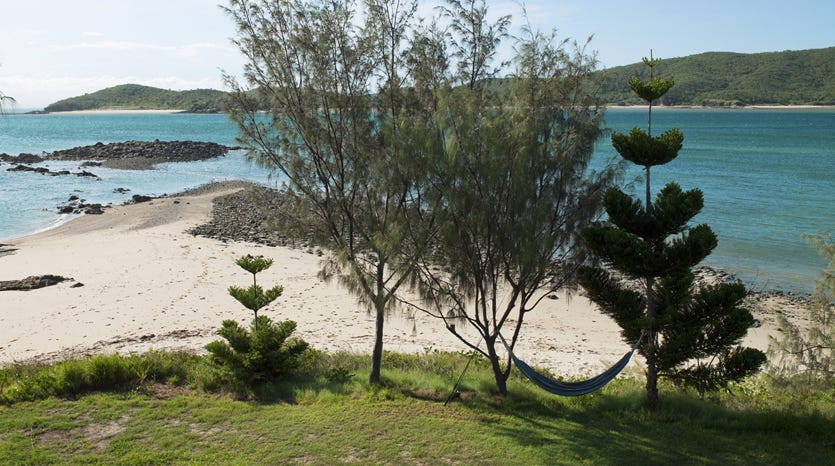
{"points": [[768, 176]]}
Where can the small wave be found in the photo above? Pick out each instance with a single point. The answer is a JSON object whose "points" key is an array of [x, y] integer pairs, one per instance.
{"points": [[51, 225]]}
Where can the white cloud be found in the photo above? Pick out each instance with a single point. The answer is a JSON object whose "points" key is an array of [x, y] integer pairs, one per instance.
{"points": [[186, 50], [92, 34]]}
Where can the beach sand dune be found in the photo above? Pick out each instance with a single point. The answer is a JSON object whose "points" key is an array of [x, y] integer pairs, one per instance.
{"points": [[149, 284]]}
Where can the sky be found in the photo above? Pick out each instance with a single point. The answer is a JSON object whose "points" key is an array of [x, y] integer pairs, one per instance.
{"points": [[54, 49]]}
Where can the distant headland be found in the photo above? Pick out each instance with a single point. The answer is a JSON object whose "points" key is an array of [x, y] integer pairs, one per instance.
{"points": [[134, 97], [712, 79]]}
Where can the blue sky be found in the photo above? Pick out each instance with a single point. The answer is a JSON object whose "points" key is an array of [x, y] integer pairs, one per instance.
{"points": [[52, 49]]}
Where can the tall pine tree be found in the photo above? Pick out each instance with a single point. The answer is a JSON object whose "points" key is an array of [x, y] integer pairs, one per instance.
{"points": [[690, 333]]}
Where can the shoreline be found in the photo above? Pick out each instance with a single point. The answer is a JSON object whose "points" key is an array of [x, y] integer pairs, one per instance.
{"points": [[115, 111], [712, 107], [65, 219], [147, 284], [608, 106]]}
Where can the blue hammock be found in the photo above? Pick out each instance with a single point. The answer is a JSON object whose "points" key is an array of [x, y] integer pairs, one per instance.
{"points": [[570, 388]]}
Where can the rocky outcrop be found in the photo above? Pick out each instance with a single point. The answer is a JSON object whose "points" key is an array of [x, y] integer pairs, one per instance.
{"points": [[75, 205], [142, 155], [32, 283], [247, 215], [46, 171], [21, 158]]}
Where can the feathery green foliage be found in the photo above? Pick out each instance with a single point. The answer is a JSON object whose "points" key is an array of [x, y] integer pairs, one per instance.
{"points": [[690, 332], [808, 355], [509, 188], [339, 131], [5, 100]]}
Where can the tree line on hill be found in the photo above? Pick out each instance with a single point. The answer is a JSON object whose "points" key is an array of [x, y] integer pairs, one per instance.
{"points": [[714, 79], [718, 79], [137, 97]]}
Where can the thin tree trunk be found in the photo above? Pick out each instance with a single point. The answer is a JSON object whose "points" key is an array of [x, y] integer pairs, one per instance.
{"points": [[377, 354], [652, 357], [501, 381], [379, 307], [652, 338]]}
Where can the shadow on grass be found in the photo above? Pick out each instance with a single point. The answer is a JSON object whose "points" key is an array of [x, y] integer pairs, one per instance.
{"points": [[618, 429]]}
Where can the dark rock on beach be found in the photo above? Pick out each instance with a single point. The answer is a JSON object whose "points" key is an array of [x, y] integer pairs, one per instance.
{"points": [[246, 215], [137, 198], [32, 283], [93, 209], [142, 155], [5, 250]]}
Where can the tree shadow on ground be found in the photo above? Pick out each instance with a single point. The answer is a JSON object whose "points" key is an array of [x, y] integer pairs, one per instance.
{"points": [[686, 431]]}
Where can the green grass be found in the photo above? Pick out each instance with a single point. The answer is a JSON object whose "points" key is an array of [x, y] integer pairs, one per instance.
{"points": [[329, 415]]}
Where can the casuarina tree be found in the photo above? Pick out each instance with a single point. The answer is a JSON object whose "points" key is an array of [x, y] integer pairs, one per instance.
{"points": [[808, 354], [688, 333], [332, 76], [511, 188]]}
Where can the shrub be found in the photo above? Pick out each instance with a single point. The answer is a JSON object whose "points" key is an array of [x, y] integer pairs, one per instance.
{"points": [[264, 351], [26, 382]]}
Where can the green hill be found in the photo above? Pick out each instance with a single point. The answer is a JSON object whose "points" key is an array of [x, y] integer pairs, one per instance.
{"points": [[805, 77], [136, 97]]}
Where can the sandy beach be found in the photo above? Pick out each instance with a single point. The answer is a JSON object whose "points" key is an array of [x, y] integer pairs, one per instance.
{"points": [[149, 284]]}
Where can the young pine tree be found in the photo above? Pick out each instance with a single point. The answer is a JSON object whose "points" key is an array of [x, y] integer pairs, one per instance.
{"points": [[255, 297], [267, 348], [690, 333]]}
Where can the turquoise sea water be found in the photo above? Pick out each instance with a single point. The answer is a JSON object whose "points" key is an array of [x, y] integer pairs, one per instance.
{"points": [[768, 176]]}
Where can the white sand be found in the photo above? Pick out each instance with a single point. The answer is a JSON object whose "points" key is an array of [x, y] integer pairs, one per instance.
{"points": [[148, 284]]}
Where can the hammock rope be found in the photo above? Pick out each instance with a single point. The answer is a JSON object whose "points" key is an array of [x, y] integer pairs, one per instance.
{"points": [[560, 388], [455, 393]]}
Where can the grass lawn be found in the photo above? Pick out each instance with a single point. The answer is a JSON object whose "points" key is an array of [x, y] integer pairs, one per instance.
{"points": [[313, 420]]}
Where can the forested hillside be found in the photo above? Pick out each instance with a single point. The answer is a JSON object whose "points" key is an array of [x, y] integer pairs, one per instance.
{"points": [[805, 77], [136, 97], [734, 79]]}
